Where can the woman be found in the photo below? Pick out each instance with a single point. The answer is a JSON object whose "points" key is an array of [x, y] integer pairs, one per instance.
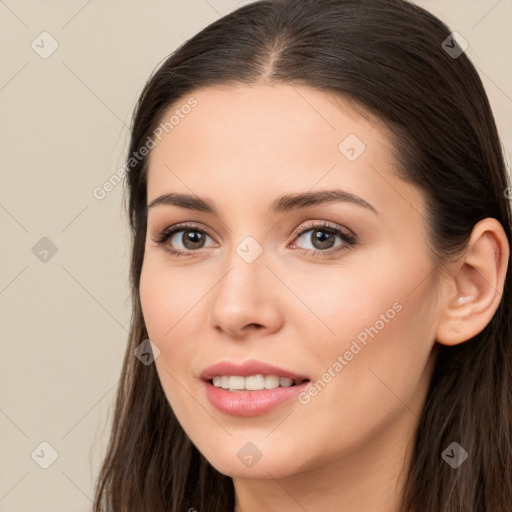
{"points": [[321, 244]]}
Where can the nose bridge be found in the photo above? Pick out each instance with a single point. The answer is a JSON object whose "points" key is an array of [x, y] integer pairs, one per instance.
{"points": [[246, 246], [245, 268], [242, 296]]}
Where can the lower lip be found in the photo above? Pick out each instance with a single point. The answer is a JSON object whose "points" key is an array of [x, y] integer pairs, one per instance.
{"points": [[250, 403]]}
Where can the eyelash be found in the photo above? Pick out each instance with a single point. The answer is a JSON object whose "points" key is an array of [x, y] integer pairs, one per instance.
{"points": [[349, 240]]}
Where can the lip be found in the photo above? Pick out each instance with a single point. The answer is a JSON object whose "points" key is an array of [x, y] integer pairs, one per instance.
{"points": [[250, 403], [248, 368]]}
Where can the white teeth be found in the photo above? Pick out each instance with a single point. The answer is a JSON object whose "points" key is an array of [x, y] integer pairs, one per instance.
{"points": [[251, 383], [271, 382], [285, 382], [255, 382], [236, 382]]}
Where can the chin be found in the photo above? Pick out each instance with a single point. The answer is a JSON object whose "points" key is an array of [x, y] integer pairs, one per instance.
{"points": [[240, 465]]}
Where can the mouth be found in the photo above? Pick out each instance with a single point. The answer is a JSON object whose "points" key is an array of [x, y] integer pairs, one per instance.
{"points": [[250, 387]]}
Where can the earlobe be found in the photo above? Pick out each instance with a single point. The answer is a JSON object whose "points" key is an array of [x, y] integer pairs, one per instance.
{"points": [[472, 293]]}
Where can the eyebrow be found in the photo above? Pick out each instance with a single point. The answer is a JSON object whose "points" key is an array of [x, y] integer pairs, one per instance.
{"points": [[284, 203]]}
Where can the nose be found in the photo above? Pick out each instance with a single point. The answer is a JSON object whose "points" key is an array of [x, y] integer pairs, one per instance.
{"points": [[245, 300]]}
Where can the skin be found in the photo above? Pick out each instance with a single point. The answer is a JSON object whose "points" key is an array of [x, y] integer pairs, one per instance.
{"points": [[350, 446]]}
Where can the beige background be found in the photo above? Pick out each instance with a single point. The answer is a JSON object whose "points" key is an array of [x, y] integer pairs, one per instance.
{"points": [[64, 129]]}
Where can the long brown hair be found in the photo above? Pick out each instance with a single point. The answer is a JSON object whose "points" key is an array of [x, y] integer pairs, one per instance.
{"points": [[391, 58]]}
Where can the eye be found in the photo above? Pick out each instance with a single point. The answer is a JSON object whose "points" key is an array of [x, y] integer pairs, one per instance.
{"points": [[323, 239], [189, 236]]}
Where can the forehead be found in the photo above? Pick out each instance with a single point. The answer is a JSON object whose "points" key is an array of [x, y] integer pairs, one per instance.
{"points": [[285, 138], [264, 117]]}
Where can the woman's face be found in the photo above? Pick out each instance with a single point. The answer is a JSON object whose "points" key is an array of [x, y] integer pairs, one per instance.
{"points": [[356, 319]]}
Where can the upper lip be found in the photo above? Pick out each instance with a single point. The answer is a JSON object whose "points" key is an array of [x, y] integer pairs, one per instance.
{"points": [[247, 369]]}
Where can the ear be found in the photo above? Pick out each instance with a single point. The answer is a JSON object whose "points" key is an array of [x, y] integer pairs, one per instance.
{"points": [[473, 288]]}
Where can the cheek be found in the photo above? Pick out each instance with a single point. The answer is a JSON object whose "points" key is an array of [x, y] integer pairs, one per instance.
{"points": [[344, 298], [167, 300], [373, 329], [168, 297], [338, 306], [174, 310]]}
